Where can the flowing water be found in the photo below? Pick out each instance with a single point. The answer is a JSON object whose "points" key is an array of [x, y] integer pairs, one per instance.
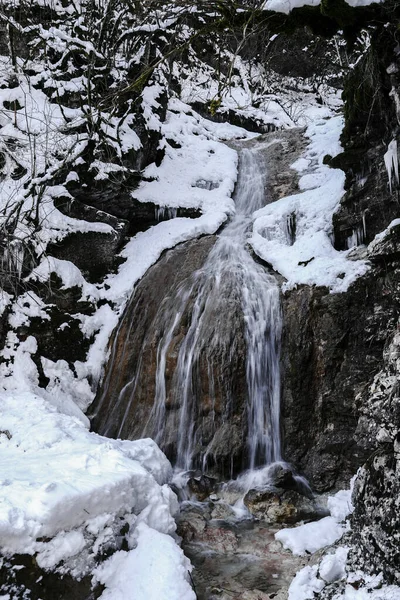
{"points": [[197, 353], [229, 276], [229, 262]]}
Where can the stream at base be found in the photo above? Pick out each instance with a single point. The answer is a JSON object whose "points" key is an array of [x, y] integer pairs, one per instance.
{"points": [[240, 560], [227, 531]]}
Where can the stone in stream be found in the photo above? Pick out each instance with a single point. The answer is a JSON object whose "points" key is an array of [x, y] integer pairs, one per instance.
{"points": [[202, 486], [286, 507]]}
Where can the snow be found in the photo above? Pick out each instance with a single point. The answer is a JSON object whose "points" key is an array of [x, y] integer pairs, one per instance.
{"points": [[62, 546], [305, 584], [314, 578], [200, 157], [340, 505], [310, 537], [5, 300], [56, 475], [69, 274], [26, 307], [382, 235], [155, 570], [333, 566], [286, 6], [310, 258], [99, 326]]}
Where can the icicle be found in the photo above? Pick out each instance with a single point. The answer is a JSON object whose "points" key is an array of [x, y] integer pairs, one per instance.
{"points": [[164, 213], [364, 225], [392, 163]]}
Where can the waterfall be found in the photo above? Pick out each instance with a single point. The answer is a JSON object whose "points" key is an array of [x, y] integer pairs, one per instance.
{"points": [[197, 312]]}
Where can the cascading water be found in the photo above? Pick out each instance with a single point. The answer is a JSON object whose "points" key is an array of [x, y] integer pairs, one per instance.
{"points": [[229, 263], [229, 278]]}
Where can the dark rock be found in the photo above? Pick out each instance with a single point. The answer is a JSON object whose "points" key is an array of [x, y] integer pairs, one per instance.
{"points": [[283, 507], [329, 355], [94, 253], [282, 477], [375, 522], [202, 486], [21, 577]]}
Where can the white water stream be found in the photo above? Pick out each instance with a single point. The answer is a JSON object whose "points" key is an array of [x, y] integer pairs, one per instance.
{"points": [[229, 270]]}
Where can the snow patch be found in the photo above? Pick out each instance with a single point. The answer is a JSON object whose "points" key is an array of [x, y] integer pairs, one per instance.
{"points": [[311, 537], [155, 570], [308, 256]]}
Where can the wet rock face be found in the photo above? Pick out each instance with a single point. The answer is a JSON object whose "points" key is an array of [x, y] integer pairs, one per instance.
{"points": [[124, 406], [332, 345]]}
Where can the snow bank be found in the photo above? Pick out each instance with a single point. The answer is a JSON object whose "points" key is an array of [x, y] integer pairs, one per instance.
{"points": [[201, 171], [69, 274], [294, 233], [55, 474], [155, 570]]}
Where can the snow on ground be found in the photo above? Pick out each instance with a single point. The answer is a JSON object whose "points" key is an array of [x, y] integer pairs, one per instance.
{"points": [[310, 537], [285, 6], [155, 570], [332, 568], [294, 234], [199, 173], [60, 481], [55, 475]]}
